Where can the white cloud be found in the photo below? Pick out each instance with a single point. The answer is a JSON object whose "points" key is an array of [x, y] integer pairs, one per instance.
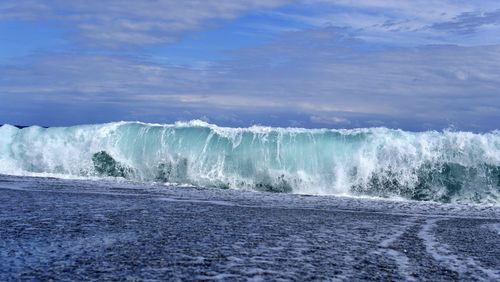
{"points": [[114, 22], [330, 120], [330, 75], [429, 86], [404, 23]]}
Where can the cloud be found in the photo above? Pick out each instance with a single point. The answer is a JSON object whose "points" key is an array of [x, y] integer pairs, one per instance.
{"points": [[24, 10], [124, 23], [469, 22], [116, 22], [120, 24], [402, 23], [350, 64], [330, 120], [418, 88]]}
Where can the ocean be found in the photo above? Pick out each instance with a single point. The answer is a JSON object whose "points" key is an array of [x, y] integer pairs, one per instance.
{"points": [[194, 201]]}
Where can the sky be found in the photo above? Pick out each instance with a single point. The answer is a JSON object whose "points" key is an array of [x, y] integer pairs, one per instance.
{"points": [[415, 65]]}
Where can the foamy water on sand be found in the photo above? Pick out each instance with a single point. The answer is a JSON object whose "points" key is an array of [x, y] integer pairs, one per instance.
{"points": [[104, 229]]}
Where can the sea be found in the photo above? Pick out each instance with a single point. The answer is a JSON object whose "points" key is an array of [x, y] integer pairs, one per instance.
{"points": [[440, 166]]}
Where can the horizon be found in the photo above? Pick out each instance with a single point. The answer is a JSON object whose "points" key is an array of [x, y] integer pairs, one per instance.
{"points": [[416, 66], [442, 130]]}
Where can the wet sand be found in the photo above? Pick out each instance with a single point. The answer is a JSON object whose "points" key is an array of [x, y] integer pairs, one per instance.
{"points": [[84, 230]]}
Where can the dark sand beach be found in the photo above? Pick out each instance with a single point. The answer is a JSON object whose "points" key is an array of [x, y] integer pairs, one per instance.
{"points": [[54, 229]]}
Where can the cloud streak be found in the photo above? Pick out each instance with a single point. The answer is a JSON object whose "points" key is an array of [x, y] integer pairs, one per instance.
{"points": [[417, 65], [469, 22], [403, 23], [115, 22], [435, 86]]}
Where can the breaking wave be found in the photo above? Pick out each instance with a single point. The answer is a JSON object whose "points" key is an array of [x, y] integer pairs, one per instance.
{"points": [[440, 166]]}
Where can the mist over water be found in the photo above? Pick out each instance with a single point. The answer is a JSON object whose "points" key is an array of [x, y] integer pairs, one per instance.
{"points": [[440, 166]]}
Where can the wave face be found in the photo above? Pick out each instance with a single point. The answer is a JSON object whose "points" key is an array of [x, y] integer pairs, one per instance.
{"points": [[440, 166]]}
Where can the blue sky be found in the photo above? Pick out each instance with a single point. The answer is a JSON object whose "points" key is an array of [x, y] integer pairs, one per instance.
{"points": [[415, 65]]}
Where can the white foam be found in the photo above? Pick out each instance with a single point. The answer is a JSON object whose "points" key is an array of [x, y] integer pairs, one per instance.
{"points": [[442, 253]]}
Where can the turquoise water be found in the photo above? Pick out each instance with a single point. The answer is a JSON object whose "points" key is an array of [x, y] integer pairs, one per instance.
{"points": [[441, 166]]}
